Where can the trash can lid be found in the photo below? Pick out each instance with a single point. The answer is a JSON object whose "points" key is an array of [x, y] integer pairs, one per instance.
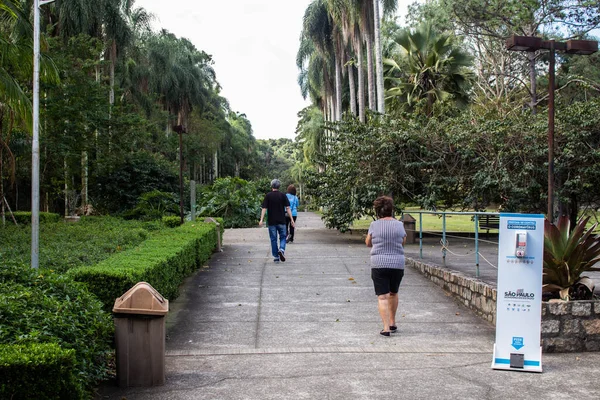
{"points": [[141, 299], [408, 218]]}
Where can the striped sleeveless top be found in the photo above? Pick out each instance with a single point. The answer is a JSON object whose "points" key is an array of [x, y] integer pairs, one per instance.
{"points": [[387, 250]]}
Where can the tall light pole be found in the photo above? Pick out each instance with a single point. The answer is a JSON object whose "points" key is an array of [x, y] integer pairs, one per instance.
{"points": [[35, 144], [530, 44]]}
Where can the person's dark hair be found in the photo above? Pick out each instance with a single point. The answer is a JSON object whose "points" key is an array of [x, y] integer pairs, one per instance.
{"points": [[384, 206], [291, 189]]}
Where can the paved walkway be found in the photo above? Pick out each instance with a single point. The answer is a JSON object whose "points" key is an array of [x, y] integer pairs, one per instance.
{"points": [[247, 328]]}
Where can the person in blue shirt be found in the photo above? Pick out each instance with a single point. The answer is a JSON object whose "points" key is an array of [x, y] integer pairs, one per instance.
{"points": [[294, 204]]}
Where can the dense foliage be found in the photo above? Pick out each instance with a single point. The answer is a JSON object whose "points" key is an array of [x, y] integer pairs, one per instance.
{"points": [[39, 306], [235, 200], [114, 98], [64, 246], [443, 162]]}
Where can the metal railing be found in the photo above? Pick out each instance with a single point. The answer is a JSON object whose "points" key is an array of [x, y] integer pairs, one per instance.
{"points": [[444, 241]]}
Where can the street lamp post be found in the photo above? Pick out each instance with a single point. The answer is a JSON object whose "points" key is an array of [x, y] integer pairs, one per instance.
{"points": [[530, 44], [35, 143]]}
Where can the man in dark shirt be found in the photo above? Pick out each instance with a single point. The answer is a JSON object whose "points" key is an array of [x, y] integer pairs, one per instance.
{"points": [[277, 204]]}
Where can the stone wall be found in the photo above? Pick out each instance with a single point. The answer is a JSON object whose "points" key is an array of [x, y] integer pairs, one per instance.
{"points": [[566, 326], [571, 326]]}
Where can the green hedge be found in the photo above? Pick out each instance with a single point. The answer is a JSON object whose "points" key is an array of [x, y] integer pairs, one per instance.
{"points": [[164, 261], [41, 307], [24, 217], [171, 221], [38, 371]]}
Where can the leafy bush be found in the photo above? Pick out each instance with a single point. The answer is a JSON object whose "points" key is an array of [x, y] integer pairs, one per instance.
{"points": [[567, 255], [235, 200], [64, 246], [171, 222], [163, 261], [154, 205], [122, 186], [38, 306], [24, 217], [35, 371]]}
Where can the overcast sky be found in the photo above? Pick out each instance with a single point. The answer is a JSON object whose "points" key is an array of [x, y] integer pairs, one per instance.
{"points": [[254, 45]]}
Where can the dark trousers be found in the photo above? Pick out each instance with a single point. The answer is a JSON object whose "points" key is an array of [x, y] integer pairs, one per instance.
{"points": [[290, 228]]}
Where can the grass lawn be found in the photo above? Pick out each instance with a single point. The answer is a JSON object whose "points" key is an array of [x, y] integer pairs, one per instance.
{"points": [[433, 223], [64, 246]]}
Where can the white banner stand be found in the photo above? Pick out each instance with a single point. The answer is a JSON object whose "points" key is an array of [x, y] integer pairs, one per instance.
{"points": [[519, 296]]}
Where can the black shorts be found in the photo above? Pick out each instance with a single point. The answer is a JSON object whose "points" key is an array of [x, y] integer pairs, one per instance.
{"points": [[386, 280]]}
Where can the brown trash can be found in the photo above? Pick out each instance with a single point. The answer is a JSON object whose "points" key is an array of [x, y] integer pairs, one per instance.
{"points": [[410, 226], [139, 317]]}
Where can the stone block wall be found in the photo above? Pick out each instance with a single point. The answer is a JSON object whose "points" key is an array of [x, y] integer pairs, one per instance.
{"points": [[571, 326], [566, 326]]}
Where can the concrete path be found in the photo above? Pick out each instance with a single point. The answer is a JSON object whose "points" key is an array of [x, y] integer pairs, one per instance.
{"points": [[247, 328]]}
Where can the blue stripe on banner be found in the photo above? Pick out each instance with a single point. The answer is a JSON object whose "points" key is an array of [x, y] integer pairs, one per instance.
{"points": [[529, 363], [523, 258], [523, 215]]}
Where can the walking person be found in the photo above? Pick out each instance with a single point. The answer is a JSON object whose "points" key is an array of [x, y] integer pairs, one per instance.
{"points": [[277, 204], [294, 204], [386, 237]]}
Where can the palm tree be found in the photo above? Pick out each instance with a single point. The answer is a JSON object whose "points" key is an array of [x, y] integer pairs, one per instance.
{"points": [[73, 17], [354, 35], [367, 28], [311, 134], [338, 13], [118, 34], [371, 28], [437, 68], [134, 78], [16, 35], [16, 50], [316, 44]]}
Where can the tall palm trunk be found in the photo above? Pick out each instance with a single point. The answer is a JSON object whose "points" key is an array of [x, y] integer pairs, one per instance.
{"points": [[370, 77], [338, 88], [332, 114], [216, 165], [66, 176], [361, 80], [84, 182], [113, 60], [352, 89], [378, 58], [203, 170]]}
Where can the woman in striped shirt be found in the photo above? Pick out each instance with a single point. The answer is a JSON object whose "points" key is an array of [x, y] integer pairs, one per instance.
{"points": [[386, 238]]}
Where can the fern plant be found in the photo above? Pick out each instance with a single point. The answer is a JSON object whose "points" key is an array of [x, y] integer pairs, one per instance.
{"points": [[567, 255]]}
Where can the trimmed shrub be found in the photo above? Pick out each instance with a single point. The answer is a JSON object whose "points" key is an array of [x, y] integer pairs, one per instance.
{"points": [[38, 371], [37, 306], [24, 217], [171, 222], [163, 261]]}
